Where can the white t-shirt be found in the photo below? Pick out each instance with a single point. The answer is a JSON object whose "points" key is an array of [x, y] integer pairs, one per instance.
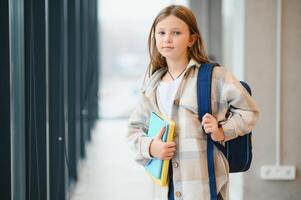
{"points": [[166, 92]]}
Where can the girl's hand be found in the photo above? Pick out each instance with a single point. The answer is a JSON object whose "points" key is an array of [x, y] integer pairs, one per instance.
{"points": [[162, 150], [210, 125]]}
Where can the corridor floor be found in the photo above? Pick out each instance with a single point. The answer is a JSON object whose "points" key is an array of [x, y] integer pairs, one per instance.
{"points": [[109, 172]]}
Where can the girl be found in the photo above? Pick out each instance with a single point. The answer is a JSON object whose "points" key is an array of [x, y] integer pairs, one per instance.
{"points": [[176, 53]]}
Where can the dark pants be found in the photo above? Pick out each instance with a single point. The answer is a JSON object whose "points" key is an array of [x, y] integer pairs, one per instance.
{"points": [[170, 183]]}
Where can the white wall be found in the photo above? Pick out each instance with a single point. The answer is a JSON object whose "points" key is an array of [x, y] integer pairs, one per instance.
{"points": [[260, 72]]}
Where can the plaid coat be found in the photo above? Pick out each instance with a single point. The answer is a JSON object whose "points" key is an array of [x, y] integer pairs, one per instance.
{"points": [[234, 109]]}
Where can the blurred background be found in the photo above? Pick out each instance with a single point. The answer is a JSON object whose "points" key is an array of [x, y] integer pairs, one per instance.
{"points": [[70, 71]]}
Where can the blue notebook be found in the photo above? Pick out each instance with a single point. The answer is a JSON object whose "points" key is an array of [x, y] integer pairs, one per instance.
{"points": [[158, 169]]}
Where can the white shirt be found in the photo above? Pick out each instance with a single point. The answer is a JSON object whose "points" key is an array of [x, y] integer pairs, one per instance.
{"points": [[166, 91]]}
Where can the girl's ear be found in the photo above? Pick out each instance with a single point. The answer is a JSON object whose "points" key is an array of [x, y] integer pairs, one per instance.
{"points": [[192, 40]]}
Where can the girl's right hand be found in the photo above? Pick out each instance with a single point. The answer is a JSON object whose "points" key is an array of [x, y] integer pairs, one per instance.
{"points": [[162, 150]]}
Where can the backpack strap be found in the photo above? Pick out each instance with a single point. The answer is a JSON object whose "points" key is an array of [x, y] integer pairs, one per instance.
{"points": [[204, 106]]}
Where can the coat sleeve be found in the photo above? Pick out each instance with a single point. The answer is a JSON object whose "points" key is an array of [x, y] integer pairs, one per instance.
{"points": [[136, 136], [242, 111]]}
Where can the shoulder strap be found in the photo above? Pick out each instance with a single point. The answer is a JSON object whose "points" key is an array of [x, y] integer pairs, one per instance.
{"points": [[204, 106]]}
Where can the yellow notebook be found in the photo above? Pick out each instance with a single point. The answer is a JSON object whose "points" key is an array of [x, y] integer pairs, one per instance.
{"points": [[158, 169]]}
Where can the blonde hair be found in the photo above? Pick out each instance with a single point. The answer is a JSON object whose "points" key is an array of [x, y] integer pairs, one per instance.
{"points": [[197, 51]]}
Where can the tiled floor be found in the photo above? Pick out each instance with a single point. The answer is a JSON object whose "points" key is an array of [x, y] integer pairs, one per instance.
{"points": [[109, 172]]}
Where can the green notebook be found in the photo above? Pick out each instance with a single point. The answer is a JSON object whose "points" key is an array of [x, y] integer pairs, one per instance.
{"points": [[158, 169]]}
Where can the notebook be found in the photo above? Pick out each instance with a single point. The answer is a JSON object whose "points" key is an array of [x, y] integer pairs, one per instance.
{"points": [[158, 169]]}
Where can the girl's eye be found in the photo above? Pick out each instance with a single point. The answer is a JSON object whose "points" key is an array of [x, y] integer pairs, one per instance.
{"points": [[176, 33], [161, 33]]}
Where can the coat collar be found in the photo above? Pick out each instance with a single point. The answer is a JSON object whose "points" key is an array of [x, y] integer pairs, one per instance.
{"points": [[151, 84], [149, 87]]}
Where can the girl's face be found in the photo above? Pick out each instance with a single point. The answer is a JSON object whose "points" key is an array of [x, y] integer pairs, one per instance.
{"points": [[172, 38]]}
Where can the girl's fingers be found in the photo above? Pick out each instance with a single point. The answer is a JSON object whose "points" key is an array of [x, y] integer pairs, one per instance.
{"points": [[160, 134], [208, 126], [170, 144], [207, 116], [207, 121], [171, 154], [168, 157], [207, 131], [172, 149]]}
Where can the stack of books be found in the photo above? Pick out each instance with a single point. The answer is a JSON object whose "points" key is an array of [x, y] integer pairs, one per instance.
{"points": [[158, 169]]}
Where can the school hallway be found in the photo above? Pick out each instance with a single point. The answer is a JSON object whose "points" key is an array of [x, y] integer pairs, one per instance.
{"points": [[71, 73], [109, 172]]}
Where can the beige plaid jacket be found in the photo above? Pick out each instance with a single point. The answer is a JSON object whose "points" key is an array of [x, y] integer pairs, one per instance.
{"points": [[235, 110]]}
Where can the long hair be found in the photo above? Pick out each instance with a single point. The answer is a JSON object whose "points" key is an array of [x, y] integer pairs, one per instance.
{"points": [[197, 51]]}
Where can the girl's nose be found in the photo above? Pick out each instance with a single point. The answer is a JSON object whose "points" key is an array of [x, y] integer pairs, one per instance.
{"points": [[167, 38]]}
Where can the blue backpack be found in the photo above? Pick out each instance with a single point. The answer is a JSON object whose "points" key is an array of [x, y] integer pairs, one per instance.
{"points": [[237, 151]]}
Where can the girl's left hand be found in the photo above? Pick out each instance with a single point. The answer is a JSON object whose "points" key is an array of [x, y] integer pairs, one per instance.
{"points": [[210, 125]]}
